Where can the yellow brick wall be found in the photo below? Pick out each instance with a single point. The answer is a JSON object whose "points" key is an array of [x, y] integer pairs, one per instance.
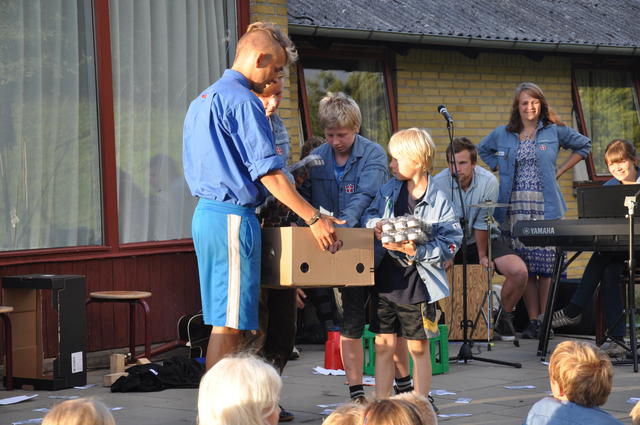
{"points": [[275, 11], [478, 94]]}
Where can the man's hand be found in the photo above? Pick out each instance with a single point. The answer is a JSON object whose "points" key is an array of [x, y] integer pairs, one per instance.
{"points": [[484, 262], [300, 298], [406, 247], [324, 232]]}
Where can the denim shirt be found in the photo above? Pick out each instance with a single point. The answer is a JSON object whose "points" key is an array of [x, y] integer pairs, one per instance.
{"points": [[550, 410], [483, 187], [500, 148], [443, 241], [347, 198]]}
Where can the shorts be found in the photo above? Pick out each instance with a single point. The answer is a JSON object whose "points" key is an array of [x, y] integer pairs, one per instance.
{"points": [[228, 244], [404, 320], [354, 311], [499, 248]]}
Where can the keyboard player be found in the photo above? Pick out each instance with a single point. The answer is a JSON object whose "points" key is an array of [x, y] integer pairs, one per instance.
{"points": [[605, 268]]}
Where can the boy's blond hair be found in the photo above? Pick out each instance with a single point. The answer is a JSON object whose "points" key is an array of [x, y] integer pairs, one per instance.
{"points": [[337, 110], [392, 412], [79, 412], [415, 144], [423, 405], [583, 371], [635, 414], [347, 414]]}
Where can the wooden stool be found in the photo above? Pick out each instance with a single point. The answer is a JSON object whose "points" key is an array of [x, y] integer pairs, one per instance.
{"points": [[8, 364], [132, 298]]}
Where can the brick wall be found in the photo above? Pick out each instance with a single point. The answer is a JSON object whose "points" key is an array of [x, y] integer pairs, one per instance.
{"points": [[275, 11], [478, 93]]}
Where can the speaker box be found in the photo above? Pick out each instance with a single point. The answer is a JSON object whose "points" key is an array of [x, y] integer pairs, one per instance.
{"points": [[25, 294]]}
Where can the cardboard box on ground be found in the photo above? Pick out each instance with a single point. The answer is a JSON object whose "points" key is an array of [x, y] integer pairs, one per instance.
{"points": [[291, 258]]}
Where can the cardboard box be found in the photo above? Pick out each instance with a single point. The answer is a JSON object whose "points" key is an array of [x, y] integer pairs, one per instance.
{"points": [[291, 258]]}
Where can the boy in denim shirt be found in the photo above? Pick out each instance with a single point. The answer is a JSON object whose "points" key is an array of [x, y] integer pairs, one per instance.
{"points": [[410, 276]]}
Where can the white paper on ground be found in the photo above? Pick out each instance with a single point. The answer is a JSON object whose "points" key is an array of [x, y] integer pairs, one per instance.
{"points": [[322, 371], [463, 401], [329, 405], [633, 400], [116, 408], [84, 387], [519, 387], [42, 410], [28, 421], [453, 415], [327, 411], [17, 399], [368, 380], [441, 392]]}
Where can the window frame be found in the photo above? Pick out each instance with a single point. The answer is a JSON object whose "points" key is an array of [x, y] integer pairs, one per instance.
{"points": [[343, 51], [111, 246], [609, 64]]}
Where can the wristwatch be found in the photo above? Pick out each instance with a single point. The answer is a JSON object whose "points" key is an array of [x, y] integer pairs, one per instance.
{"points": [[313, 219]]}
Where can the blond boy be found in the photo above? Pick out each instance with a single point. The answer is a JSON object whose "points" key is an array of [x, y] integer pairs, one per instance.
{"points": [[581, 377]]}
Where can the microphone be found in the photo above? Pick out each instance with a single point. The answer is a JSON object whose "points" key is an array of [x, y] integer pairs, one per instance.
{"points": [[443, 110]]}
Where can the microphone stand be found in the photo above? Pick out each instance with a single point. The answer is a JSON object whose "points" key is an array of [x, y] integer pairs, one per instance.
{"points": [[630, 202], [465, 354]]}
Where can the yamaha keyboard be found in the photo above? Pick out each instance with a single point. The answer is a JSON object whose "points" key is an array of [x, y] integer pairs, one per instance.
{"points": [[585, 234]]}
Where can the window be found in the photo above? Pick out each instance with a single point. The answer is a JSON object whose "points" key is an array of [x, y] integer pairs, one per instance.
{"points": [[50, 194], [56, 189], [607, 109], [163, 53], [363, 79]]}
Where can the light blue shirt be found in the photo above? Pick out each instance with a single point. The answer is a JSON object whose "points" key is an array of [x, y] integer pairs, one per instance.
{"points": [[483, 187], [442, 243], [228, 143], [551, 411], [347, 196], [499, 151]]}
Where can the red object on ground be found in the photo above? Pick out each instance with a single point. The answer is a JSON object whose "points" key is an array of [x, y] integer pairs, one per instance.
{"points": [[332, 357]]}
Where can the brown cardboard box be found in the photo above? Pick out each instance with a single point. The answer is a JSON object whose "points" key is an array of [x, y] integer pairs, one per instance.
{"points": [[291, 258]]}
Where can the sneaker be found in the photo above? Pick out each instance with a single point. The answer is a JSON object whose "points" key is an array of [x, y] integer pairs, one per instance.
{"points": [[285, 415], [612, 349], [433, 404], [503, 328], [360, 400], [532, 330], [295, 354], [560, 319]]}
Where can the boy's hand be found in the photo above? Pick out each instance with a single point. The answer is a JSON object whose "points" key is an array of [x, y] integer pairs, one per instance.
{"points": [[406, 247], [300, 298], [378, 230], [448, 264]]}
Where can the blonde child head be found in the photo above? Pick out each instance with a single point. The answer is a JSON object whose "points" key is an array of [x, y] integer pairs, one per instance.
{"points": [[581, 372], [347, 414], [239, 390], [415, 144], [423, 405], [392, 412], [82, 411]]}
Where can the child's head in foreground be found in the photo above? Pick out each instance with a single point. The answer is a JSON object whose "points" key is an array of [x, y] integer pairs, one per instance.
{"points": [[412, 150], [388, 411], [347, 414], [581, 373], [239, 390], [423, 405], [82, 411]]}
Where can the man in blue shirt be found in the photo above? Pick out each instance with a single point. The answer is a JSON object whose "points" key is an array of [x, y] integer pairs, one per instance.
{"points": [[479, 185], [230, 163]]}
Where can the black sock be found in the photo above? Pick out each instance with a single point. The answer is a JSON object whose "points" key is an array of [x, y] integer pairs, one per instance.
{"points": [[404, 385], [356, 391], [572, 310]]}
